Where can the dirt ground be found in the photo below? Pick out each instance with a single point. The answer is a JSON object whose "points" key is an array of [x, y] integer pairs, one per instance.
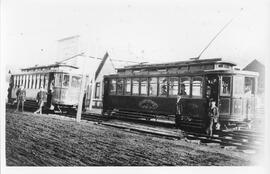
{"points": [[45, 140]]}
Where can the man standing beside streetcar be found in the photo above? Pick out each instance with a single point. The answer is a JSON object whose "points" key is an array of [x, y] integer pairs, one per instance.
{"points": [[41, 98], [213, 115], [21, 94]]}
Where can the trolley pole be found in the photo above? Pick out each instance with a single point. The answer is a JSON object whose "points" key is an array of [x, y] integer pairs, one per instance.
{"points": [[79, 111]]}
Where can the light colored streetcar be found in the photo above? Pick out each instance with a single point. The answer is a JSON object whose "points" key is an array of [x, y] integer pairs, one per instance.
{"points": [[61, 82]]}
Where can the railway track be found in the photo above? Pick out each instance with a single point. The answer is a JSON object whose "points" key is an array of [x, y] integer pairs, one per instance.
{"points": [[242, 140]]}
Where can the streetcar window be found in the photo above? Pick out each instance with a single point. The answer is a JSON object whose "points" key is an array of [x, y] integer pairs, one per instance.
{"points": [[27, 81], [75, 82], [144, 86], [41, 81], [112, 87], [46, 81], [38, 81], [249, 85], [30, 82], [58, 80], [210, 66], [21, 80], [66, 80], [197, 84], [97, 91], [17, 81], [119, 86], [195, 67], [153, 86], [14, 81], [225, 86], [173, 86], [185, 86], [128, 86], [163, 86], [135, 86], [238, 85], [34, 82], [182, 68]]}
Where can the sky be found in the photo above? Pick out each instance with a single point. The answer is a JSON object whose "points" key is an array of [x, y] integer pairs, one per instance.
{"points": [[141, 31]]}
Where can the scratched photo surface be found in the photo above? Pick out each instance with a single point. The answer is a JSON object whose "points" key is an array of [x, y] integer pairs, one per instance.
{"points": [[177, 83]]}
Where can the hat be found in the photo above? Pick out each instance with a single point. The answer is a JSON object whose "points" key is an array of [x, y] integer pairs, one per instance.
{"points": [[212, 100]]}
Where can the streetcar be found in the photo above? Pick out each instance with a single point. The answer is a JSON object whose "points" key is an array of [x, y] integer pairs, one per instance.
{"points": [[61, 82], [149, 91]]}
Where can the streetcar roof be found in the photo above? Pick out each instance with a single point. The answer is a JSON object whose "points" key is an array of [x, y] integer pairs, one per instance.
{"points": [[49, 67], [178, 63], [47, 71]]}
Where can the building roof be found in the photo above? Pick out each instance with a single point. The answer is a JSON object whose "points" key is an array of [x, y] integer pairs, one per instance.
{"points": [[255, 65]]}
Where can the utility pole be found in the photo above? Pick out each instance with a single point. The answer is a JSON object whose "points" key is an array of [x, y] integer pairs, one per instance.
{"points": [[79, 111], [93, 79]]}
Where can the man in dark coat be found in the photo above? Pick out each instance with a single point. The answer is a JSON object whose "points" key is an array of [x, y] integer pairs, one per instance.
{"points": [[213, 116], [21, 94], [41, 98]]}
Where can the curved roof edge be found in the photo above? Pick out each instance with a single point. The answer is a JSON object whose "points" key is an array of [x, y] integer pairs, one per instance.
{"points": [[179, 63], [49, 66]]}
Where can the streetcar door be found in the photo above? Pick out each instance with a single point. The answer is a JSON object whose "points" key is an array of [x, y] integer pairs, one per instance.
{"points": [[249, 97], [212, 84], [225, 98], [50, 88]]}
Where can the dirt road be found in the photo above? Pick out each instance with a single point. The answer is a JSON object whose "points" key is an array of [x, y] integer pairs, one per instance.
{"points": [[44, 140]]}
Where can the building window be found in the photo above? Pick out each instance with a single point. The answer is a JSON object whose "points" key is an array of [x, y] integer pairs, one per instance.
{"points": [[112, 87], [185, 86], [97, 91], [144, 86], [153, 86], [197, 84], [173, 86], [225, 87], [135, 86], [119, 86], [128, 86], [163, 86]]}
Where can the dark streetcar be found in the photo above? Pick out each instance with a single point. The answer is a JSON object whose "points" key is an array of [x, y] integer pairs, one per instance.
{"points": [[150, 90]]}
